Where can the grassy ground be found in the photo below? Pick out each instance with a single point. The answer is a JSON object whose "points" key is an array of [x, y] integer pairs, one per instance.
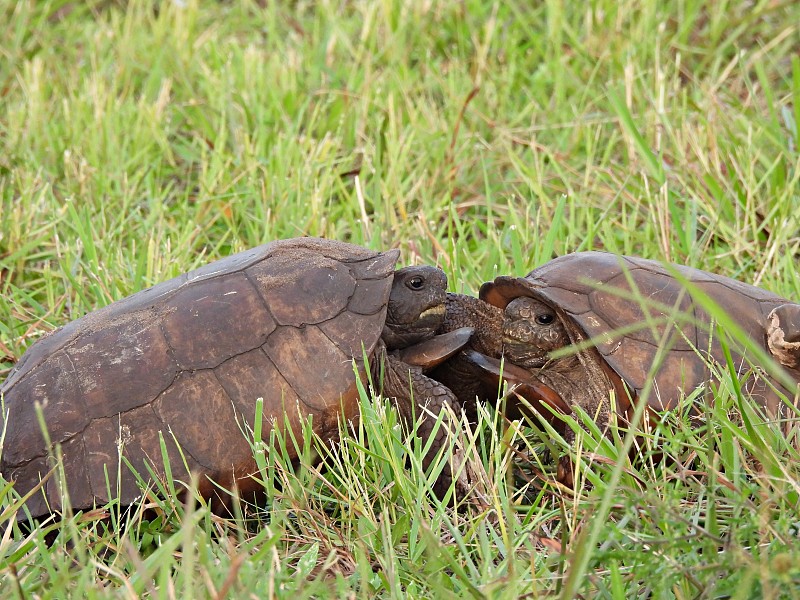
{"points": [[141, 139]]}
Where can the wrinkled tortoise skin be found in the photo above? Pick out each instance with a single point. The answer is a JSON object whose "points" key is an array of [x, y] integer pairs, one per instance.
{"points": [[187, 359]]}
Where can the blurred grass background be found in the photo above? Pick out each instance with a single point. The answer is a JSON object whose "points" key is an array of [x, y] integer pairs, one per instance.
{"points": [[141, 139]]}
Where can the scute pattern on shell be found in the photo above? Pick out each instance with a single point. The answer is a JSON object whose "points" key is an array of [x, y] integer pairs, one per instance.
{"points": [[186, 360]]}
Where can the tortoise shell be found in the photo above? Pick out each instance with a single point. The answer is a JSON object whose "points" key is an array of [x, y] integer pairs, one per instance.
{"points": [[186, 360], [632, 308]]}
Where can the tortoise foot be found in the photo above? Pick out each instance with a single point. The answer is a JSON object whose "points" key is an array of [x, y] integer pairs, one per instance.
{"points": [[783, 334]]}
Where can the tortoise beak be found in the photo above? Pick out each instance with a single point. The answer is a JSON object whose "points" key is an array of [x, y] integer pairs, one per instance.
{"points": [[434, 312], [525, 354]]}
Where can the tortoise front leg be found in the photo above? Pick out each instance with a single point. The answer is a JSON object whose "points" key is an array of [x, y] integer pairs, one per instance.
{"points": [[420, 398], [545, 394]]}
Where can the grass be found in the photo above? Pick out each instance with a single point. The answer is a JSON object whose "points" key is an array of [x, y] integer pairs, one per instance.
{"points": [[141, 139]]}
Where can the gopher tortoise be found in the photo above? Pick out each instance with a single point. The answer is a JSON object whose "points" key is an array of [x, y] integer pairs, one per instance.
{"points": [[631, 323], [186, 360]]}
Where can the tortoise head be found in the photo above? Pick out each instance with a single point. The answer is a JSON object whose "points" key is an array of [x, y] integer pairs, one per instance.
{"points": [[532, 329], [416, 306]]}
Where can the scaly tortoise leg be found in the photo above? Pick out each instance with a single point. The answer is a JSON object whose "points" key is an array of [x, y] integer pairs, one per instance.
{"points": [[429, 399], [459, 374], [540, 401]]}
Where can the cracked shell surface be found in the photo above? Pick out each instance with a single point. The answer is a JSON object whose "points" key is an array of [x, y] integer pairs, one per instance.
{"points": [[631, 308], [178, 367]]}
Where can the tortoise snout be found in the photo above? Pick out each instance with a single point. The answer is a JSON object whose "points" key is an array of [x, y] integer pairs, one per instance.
{"points": [[527, 333]]}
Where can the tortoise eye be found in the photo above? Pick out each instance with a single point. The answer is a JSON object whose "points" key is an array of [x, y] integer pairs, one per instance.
{"points": [[416, 283], [545, 319]]}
